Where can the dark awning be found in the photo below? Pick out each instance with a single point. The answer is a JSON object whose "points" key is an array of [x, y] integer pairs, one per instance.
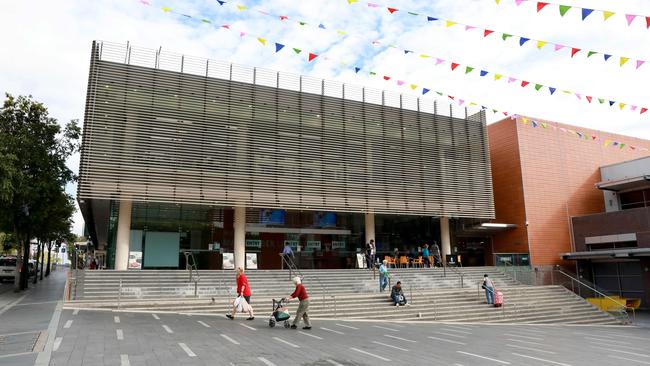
{"points": [[641, 182], [613, 253]]}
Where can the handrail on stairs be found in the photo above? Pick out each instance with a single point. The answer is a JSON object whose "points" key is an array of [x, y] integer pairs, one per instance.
{"points": [[458, 273], [190, 265], [603, 295], [293, 269]]}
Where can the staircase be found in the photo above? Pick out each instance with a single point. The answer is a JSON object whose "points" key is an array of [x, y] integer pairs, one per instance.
{"points": [[350, 294]]}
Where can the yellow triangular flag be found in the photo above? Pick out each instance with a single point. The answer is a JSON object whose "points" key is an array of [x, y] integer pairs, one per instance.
{"points": [[262, 40], [541, 44], [450, 23], [340, 32], [607, 142], [472, 103], [166, 10], [607, 14], [621, 105], [624, 60], [241, 7], [497, 76], [424, 56], [413, 86], [498, 1], [352, 1], [524, 120], [567, 92], [343, 63]]}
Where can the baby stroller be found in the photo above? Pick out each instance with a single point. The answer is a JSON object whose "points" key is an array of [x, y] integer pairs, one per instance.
{"points": [[280, 313]]}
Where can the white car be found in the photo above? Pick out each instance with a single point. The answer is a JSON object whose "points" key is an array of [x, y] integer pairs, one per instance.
{"points": [[7, 268]]}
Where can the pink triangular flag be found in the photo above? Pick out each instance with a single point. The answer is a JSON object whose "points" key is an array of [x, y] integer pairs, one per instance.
{"points": [[633, 108], [461, 101], [511, 80], [241, 34], [639, 63], [630, 18], [518, 2], [400, 82], [439, 61], [558, 47], [468, 27], [372, 5], [579, 96]]}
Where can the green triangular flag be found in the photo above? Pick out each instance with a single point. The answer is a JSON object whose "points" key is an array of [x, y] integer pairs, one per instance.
{"points": [[439, 93], [601, 100], [297, 50], [205, 21], [621, 146], [591, 53], [468, 69], [505, 36], [564, 9], [302, 23], [372, 73], [538, 86], [412, 13]]}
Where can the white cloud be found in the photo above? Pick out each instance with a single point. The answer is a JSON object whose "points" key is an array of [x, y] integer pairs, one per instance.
{"points": [[47, 53]]}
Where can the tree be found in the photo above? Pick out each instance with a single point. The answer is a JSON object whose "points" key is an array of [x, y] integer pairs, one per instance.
{"points": [[33, 174]]}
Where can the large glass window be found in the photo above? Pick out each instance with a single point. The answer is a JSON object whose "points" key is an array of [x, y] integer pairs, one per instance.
{"points": [[635, 199]]}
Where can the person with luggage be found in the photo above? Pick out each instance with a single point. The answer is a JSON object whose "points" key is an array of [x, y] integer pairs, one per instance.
{"points": [[243, 293], [383, 275], [303, 306], [397, 295], [488, 286]]}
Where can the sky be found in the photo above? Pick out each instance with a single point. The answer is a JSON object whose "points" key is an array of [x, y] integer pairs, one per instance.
{"points": [[47, 52]]}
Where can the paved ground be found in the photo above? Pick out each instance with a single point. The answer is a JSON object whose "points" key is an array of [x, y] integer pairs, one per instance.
{"points": [[111, 338], [25, 316]]}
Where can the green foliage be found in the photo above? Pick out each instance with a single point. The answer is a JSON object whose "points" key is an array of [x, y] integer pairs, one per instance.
{"points": [[33, 171]]}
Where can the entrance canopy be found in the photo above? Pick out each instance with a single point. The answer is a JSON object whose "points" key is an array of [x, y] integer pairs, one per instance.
{"points": [[604, 254]]}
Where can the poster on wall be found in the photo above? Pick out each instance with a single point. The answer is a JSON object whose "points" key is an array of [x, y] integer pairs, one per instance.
{"points": [[313, 245], [325, 219], [338, 244], [251, 260], [253, 243], [272, 217], [135, 260], [228, 261], [361, 261]]}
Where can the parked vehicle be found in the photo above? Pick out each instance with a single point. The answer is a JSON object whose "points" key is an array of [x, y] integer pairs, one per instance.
{"points": [[7, 268]]}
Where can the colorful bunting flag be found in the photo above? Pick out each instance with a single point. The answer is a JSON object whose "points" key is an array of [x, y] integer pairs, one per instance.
{"points": [[586, 12], [540, 6], [523, 40], [278, 47], [541, 44], [630, 18], [564, 9], [574, 51], [624, 60], [607, 14], [312, 56]]}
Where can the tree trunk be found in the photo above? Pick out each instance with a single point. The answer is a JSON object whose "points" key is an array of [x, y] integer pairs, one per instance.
{"points": [[49, 255], [42, 259], [38, 257], [24, 273]]}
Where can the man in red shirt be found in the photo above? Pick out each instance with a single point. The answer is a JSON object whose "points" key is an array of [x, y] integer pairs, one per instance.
{"points": [[303, 307], [242, 290]]}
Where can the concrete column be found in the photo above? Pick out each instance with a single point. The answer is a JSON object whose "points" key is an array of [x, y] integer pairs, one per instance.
{"points": [[370, 227], [239, 226], [123, 236], [445, 238]]}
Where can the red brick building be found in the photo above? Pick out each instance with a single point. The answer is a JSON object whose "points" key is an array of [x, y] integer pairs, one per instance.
{"points": [[543, 174]]}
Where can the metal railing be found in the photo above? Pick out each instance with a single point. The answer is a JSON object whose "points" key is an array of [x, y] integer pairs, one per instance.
{"points": [[455, 271], [191, 266]]}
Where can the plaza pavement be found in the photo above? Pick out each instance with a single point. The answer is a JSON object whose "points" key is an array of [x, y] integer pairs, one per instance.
{"points": [[128, 339]]}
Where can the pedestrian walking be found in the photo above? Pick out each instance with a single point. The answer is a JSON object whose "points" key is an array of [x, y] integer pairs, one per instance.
{"points": [[488, 286], [426, 254], [303, 307], [436, 254], [383, 275], [287, 251], [370, 253], [243, 293]]}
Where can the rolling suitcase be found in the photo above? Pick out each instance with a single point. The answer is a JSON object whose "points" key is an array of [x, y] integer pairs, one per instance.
{"points": [[498, 299]]}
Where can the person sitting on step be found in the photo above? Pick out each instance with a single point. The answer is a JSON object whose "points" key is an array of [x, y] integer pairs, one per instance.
{"points": [[397, 295]]}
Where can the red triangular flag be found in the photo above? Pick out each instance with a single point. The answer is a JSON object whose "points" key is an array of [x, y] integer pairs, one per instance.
{"points": [[647, 22], [454, 65], [451, 97], [225, 26], [524, 83], [487, 32], [589, 98], [574, 51], [312, 56], [643, 110], [392, 10], [540, 6], [386, 77]]}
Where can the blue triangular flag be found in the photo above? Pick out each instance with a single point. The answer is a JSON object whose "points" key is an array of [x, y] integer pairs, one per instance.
{"points": [[607, 56], [586, 12], [611, 103], [483, 72], [221, 2], [278, 47], [357, 69], [321, 26], [406, 52], [424, 91], [523, 40], [431, 19], [534, 123], [552, 90]]}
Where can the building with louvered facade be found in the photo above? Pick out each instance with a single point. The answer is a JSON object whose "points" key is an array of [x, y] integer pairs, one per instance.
{"points": [[229, 163]]}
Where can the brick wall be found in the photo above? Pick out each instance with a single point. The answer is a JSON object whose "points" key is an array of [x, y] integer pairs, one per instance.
{"points": [[558, 171]]}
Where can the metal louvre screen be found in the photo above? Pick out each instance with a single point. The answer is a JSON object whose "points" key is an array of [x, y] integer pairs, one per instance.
{"points": [[266, 139]]}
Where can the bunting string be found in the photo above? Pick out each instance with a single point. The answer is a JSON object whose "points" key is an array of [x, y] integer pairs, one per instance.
{"points": [[311, 56], [581, 135], [453, 66], [485, 33], [562, 10]]}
